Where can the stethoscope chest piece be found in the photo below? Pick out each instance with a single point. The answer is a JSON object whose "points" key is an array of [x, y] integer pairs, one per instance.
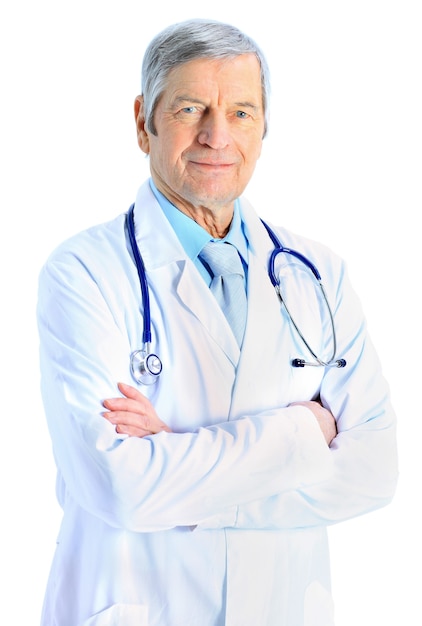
{"points": [[145, 367]]}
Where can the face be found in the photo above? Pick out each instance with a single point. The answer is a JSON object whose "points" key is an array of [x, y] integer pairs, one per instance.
{"points": [[210, 124]]}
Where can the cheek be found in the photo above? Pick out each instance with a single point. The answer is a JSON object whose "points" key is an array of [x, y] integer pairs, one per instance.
{"points": [[167, 164], [256, 147], [167, 154], [160, 157], [251, 147], [251, 155]]}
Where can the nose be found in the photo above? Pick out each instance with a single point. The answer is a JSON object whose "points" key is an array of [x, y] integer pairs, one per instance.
{"points": [[214, 131]]}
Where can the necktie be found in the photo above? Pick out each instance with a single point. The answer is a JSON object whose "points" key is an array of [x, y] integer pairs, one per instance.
{"points": [[228, 283]]}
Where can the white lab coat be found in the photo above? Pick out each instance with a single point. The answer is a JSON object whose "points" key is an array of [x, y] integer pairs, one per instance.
{"points": [[222, 522]]}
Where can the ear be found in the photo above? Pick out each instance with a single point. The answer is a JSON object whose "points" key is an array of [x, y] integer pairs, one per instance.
{"points": [[142, 133]]}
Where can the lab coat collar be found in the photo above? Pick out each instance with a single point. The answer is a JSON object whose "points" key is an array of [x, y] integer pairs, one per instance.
{"points": [[156, 239]]}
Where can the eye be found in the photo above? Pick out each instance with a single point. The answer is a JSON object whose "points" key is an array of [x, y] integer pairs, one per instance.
{"points": [[241, 114], [190, 109]]}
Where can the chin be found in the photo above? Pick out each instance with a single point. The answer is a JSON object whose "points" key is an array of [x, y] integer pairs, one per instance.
{"points": [[214, 193]]}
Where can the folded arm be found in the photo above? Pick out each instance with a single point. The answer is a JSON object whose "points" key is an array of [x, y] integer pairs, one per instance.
{"points": [[134, 415]]}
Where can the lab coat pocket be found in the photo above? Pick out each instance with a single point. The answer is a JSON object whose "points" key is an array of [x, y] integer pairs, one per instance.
{"points": [[120, 615], [319, 610]]}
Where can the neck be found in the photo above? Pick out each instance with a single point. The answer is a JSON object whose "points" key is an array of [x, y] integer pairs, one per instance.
{"points": [[215, 223]]}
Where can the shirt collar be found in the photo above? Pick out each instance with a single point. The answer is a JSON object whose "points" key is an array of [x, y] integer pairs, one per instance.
{"points": [[192, 236]]}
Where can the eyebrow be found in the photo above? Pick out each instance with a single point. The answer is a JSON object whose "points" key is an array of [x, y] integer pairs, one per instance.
{"points": [[181, 99], [247, 105]]}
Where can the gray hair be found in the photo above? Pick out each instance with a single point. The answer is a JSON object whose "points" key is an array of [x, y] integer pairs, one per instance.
{"points": [[187, 41]]}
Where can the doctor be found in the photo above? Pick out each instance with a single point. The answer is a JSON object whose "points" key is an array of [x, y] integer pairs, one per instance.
{"points": [[203, 499]]}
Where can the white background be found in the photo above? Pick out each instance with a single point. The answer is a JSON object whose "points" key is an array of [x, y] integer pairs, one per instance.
{"points": [[342, 164]]}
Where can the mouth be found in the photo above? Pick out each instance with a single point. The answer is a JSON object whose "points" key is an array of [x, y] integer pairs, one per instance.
{"points": [[212, 165]]}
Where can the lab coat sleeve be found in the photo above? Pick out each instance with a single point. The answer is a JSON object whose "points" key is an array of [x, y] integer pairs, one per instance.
{"points": [[364, 452], [168, 479]]}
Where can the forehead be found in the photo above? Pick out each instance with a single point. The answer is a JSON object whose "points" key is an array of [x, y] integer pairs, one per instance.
{"points": [[233, 78]]}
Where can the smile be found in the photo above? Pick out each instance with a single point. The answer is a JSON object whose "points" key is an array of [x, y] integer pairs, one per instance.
{"points": [[211, 165]]}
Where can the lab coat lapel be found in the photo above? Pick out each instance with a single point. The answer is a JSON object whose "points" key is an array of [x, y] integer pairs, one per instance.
{"points": [[196, 295], [161, 248]]}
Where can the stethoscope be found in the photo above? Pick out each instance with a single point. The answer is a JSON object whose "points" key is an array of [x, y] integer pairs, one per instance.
{"points": [[146, 366]]}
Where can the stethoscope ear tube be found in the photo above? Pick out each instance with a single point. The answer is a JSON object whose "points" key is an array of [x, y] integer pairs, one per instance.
{"points": [[302, 363]]}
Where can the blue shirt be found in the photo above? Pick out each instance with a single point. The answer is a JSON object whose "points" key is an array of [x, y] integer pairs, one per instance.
{"points": [[193, 237]]}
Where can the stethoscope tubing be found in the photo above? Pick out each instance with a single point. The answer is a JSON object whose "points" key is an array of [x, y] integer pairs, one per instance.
{"points": [[278, 249], [146, 335], [140, 358]]}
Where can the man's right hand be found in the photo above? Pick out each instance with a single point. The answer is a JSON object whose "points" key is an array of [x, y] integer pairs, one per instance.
{"points": [[133, 414]]}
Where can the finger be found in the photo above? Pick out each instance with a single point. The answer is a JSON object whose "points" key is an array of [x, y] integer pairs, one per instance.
{"points": [[125, 418], [130, 392], [135, 420], [127, 427], [131, 431], [126, 404]]}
